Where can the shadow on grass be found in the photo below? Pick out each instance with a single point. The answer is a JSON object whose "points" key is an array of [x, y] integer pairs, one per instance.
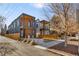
{"points": [[69, 49]]}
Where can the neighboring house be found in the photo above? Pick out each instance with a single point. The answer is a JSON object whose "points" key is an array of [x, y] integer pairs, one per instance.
{"points": [[37, 28], [24, 25], [44, 27]]}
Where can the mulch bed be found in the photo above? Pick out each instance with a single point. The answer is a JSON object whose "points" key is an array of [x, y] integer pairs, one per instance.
{"points": [[69, 49]]}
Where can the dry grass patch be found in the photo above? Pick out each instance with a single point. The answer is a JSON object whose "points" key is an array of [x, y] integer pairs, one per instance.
{"points": [[50, 37], [13, 36]]}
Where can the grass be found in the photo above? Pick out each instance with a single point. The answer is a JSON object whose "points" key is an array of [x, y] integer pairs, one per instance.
{"points": [[13, 36], [49, 37]]}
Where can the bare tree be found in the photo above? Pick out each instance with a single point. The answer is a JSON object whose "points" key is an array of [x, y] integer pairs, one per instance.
{"points": [[77, 17], [56, 24], [65, 13], [2, 22]]}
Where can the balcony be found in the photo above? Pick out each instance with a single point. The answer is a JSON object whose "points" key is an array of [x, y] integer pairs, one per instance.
{"points": [[45, 28]]}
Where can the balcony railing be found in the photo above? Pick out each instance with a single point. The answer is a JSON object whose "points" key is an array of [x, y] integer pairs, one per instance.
{"points": [[44, 28]]}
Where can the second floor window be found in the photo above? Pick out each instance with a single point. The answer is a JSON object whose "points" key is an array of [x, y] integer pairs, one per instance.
{"points": [[33, 24], [29, 24]]}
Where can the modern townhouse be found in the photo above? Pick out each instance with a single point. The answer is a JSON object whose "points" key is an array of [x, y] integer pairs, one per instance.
{"points": [[23, 26], [44, 27]]}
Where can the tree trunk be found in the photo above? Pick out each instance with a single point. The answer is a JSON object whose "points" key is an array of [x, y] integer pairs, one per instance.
{"points": [[65, 38], [78, 46]]}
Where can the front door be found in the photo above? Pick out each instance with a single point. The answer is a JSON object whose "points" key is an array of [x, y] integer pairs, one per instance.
{"points": [[22, 33]]}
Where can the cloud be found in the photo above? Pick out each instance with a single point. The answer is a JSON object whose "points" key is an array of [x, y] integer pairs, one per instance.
{"points": [[38, 5]]}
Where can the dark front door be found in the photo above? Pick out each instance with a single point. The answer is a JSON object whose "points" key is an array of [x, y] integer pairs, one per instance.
{"points": [[22, 33]]}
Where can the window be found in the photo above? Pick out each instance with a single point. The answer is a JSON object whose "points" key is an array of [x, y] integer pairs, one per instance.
{"points": [[21, 33], [29, 24], [14, 25], [17, 22], [33, 24], [36, 25]]}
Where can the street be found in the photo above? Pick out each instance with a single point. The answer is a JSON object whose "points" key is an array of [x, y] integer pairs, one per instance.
{"points": [[23, 49]]}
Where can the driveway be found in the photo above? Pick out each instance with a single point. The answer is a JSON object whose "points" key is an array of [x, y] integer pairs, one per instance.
{"points": [[47, 43]]}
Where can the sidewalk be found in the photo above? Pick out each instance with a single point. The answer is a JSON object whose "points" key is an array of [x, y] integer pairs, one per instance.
{"points": [[61, 53]]}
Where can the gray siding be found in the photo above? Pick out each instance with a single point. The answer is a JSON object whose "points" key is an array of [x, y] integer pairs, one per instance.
{"points": [[15, 26]]}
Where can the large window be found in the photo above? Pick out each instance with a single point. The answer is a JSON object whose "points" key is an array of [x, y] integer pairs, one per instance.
{"points": [[29, 24], [14, 24], [36, 25], [17, 22], [21, 33]]}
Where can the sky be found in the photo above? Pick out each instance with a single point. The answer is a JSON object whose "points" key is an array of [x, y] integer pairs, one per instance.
{"points": [[12, 10]]}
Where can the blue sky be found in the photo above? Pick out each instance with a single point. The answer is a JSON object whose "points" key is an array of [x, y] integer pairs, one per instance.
{"points": [[12, 10]]}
